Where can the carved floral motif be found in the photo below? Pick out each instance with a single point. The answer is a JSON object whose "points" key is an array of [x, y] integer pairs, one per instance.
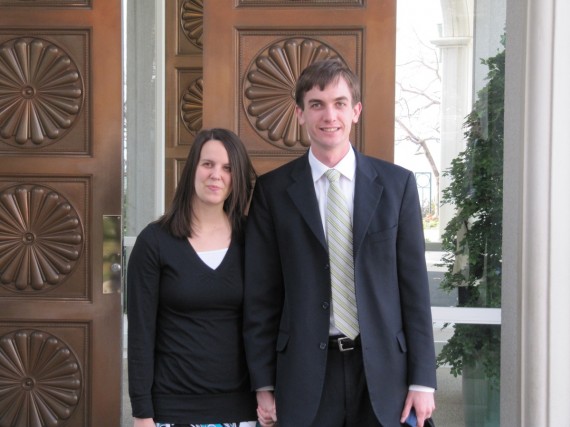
{"points": [[192, 21], [191, 106], [41, 92], [41, 238], [269, 89], [40, 380]]}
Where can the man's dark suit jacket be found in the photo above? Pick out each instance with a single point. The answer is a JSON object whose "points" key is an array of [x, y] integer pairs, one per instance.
{"points": [[287, 289]]}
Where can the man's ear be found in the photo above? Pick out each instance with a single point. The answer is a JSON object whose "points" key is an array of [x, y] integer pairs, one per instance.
{"points": [[357, 110], [299, 111]]}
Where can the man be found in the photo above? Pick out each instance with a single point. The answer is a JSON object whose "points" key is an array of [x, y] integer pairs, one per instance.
{"points": [[291, 326]]}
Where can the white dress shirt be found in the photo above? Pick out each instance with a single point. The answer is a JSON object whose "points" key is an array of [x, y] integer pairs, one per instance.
{"points": [[347, 169]]}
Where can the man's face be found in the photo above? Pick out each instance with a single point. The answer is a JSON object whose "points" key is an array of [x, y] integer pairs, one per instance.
{"points": [[328, 116]]}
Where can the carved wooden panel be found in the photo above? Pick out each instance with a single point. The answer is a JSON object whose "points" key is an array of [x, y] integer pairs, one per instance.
{"points": [[301, 3], [47, 3], [43, 372], [43, 249], [249, 79], [44, 92], [60, 175], [184, 83], [190, 86], [270, 63], [192, 24]]}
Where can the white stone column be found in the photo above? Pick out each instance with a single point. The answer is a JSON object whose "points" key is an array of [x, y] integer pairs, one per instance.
{"points": [[559, 245], [536, 298], [456, 75], [144, 113]]}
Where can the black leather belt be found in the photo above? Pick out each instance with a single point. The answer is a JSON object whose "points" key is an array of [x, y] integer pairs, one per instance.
{"points": [[344, 343]]}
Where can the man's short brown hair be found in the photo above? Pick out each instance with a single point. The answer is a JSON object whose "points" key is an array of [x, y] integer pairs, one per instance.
{"points": [[321, 74]]}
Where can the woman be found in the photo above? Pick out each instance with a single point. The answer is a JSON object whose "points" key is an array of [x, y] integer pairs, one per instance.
{"points": [[184, 285]]}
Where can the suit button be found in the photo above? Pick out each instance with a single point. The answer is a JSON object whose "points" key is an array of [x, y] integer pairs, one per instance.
{"points": [[323, 346], [327, 266], [325, 305]]}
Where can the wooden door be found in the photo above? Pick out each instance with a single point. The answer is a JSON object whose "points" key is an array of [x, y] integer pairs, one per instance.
{"points": [[234, 64], [60, 175], [256, 49]]}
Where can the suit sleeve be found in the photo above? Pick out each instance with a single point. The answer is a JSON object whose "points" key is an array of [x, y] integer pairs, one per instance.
{"points": [[263, 290], [414, 290]]}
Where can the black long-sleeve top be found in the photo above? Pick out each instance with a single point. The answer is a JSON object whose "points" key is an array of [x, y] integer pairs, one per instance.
{"points": [[185, 347]]}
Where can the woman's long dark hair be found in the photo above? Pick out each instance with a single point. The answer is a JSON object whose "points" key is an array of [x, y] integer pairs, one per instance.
{"points": [[178, 219]]}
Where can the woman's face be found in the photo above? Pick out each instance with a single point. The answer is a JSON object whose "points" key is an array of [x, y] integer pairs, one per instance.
{"points": [[213, 182]]}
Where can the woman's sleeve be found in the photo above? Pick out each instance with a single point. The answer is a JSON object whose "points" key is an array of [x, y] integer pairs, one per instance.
{"points": [[143, 278]]}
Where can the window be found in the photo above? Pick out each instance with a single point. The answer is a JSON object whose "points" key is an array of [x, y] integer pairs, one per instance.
{"points": [[449, 102]]}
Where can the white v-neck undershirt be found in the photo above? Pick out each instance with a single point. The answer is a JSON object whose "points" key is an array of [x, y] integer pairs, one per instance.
{"points": [[213, 258]]}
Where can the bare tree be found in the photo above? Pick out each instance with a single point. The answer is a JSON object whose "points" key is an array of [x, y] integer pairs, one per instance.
{"points": [[418, 102]]}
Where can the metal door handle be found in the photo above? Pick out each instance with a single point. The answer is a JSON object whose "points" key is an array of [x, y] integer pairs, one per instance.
{"points": [[112, 254]]}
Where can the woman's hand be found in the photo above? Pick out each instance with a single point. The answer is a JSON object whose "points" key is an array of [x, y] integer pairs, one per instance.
{"points": [[144, 422], [266, 412]]}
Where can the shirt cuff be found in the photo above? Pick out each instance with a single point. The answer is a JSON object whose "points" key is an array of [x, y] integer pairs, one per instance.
{"points": [[415, 387]]}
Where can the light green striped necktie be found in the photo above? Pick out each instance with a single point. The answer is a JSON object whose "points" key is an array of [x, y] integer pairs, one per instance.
{"points": [[339, 235]]}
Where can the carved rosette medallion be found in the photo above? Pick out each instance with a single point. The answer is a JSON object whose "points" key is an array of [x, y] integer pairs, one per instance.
{"points": [[40, 380], [269, 89], [41, 92], [192, 21], [191, 106], [41, 238]]}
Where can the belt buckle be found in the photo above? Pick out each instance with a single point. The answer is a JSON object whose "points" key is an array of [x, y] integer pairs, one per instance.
{"points": [[341, 344]]}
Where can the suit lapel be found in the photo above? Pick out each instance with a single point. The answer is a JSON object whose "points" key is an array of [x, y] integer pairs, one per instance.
{"points": [[302, 192], [367, 194]]}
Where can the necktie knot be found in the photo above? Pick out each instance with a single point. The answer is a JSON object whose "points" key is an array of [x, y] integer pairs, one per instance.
{"points": [[332, 175]]}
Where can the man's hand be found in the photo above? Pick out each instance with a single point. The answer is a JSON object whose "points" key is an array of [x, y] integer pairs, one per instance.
{"points": [[424, 404], [266, 412]]}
